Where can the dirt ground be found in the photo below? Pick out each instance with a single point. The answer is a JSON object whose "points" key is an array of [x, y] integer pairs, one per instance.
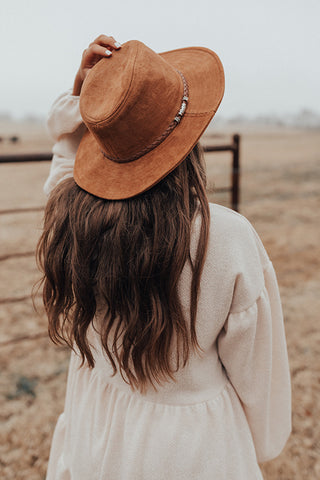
{"points": [[280, 195]]}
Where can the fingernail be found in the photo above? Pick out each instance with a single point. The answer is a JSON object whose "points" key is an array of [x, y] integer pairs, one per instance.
{"points": [[108, 52], [117, 44]]}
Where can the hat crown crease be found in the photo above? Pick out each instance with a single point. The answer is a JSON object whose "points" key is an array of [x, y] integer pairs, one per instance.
{"points": [[134, 100]]}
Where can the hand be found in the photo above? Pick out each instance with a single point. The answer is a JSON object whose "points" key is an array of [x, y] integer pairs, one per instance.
{"points": [[100, 47]]}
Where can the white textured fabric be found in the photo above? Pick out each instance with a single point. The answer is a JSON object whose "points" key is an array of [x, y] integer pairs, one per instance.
{"points": [[228, 409], [66, 128]]}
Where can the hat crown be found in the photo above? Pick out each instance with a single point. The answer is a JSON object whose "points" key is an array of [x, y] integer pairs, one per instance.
{"points": [[144, 112], [129, 100]]}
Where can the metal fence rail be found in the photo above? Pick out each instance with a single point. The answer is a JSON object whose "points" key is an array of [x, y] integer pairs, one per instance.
{"points": [[25, 157], [234, 148]]}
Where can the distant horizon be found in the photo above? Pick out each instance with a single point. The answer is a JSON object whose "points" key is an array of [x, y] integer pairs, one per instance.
{"points": [[269, 50]]}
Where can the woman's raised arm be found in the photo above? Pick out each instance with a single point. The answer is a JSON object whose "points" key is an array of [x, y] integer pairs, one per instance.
{"points": [[64, 121]]}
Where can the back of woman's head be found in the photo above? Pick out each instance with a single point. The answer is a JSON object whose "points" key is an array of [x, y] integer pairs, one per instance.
{"points": [[125, 258]]}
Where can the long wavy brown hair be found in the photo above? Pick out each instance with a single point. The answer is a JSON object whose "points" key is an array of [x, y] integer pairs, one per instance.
{"points": [[126, 255]]}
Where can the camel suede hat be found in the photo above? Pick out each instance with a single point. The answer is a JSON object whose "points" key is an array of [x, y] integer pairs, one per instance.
{"points": [[144, 113]]}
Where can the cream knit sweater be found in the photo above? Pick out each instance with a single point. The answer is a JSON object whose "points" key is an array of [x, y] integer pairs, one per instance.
{"points": [[228, 409]]}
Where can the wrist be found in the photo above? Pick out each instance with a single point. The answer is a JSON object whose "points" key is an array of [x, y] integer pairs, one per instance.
{"points": [[78, 81]]}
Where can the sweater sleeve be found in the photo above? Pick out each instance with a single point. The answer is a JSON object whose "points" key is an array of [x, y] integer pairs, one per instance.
{"points": [[66, 128], [252, 348]]}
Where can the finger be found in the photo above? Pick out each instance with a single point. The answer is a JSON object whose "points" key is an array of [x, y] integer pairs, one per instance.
{"points": [[96, 50], [106, 41]]}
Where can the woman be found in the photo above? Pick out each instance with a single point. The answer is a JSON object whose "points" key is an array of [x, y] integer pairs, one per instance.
{"points": [[170, 304]]}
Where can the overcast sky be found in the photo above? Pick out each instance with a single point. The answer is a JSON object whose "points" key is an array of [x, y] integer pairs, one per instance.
{"points": [[269, 48]]}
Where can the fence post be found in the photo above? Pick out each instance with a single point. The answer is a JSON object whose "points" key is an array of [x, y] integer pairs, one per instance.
{"points": [[235, 172]]}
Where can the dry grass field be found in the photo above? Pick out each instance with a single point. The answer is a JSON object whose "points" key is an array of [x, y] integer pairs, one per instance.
{"points": [[280, 195]]}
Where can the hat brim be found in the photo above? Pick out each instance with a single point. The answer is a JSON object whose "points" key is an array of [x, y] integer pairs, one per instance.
{"points": [[107, 179]]}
